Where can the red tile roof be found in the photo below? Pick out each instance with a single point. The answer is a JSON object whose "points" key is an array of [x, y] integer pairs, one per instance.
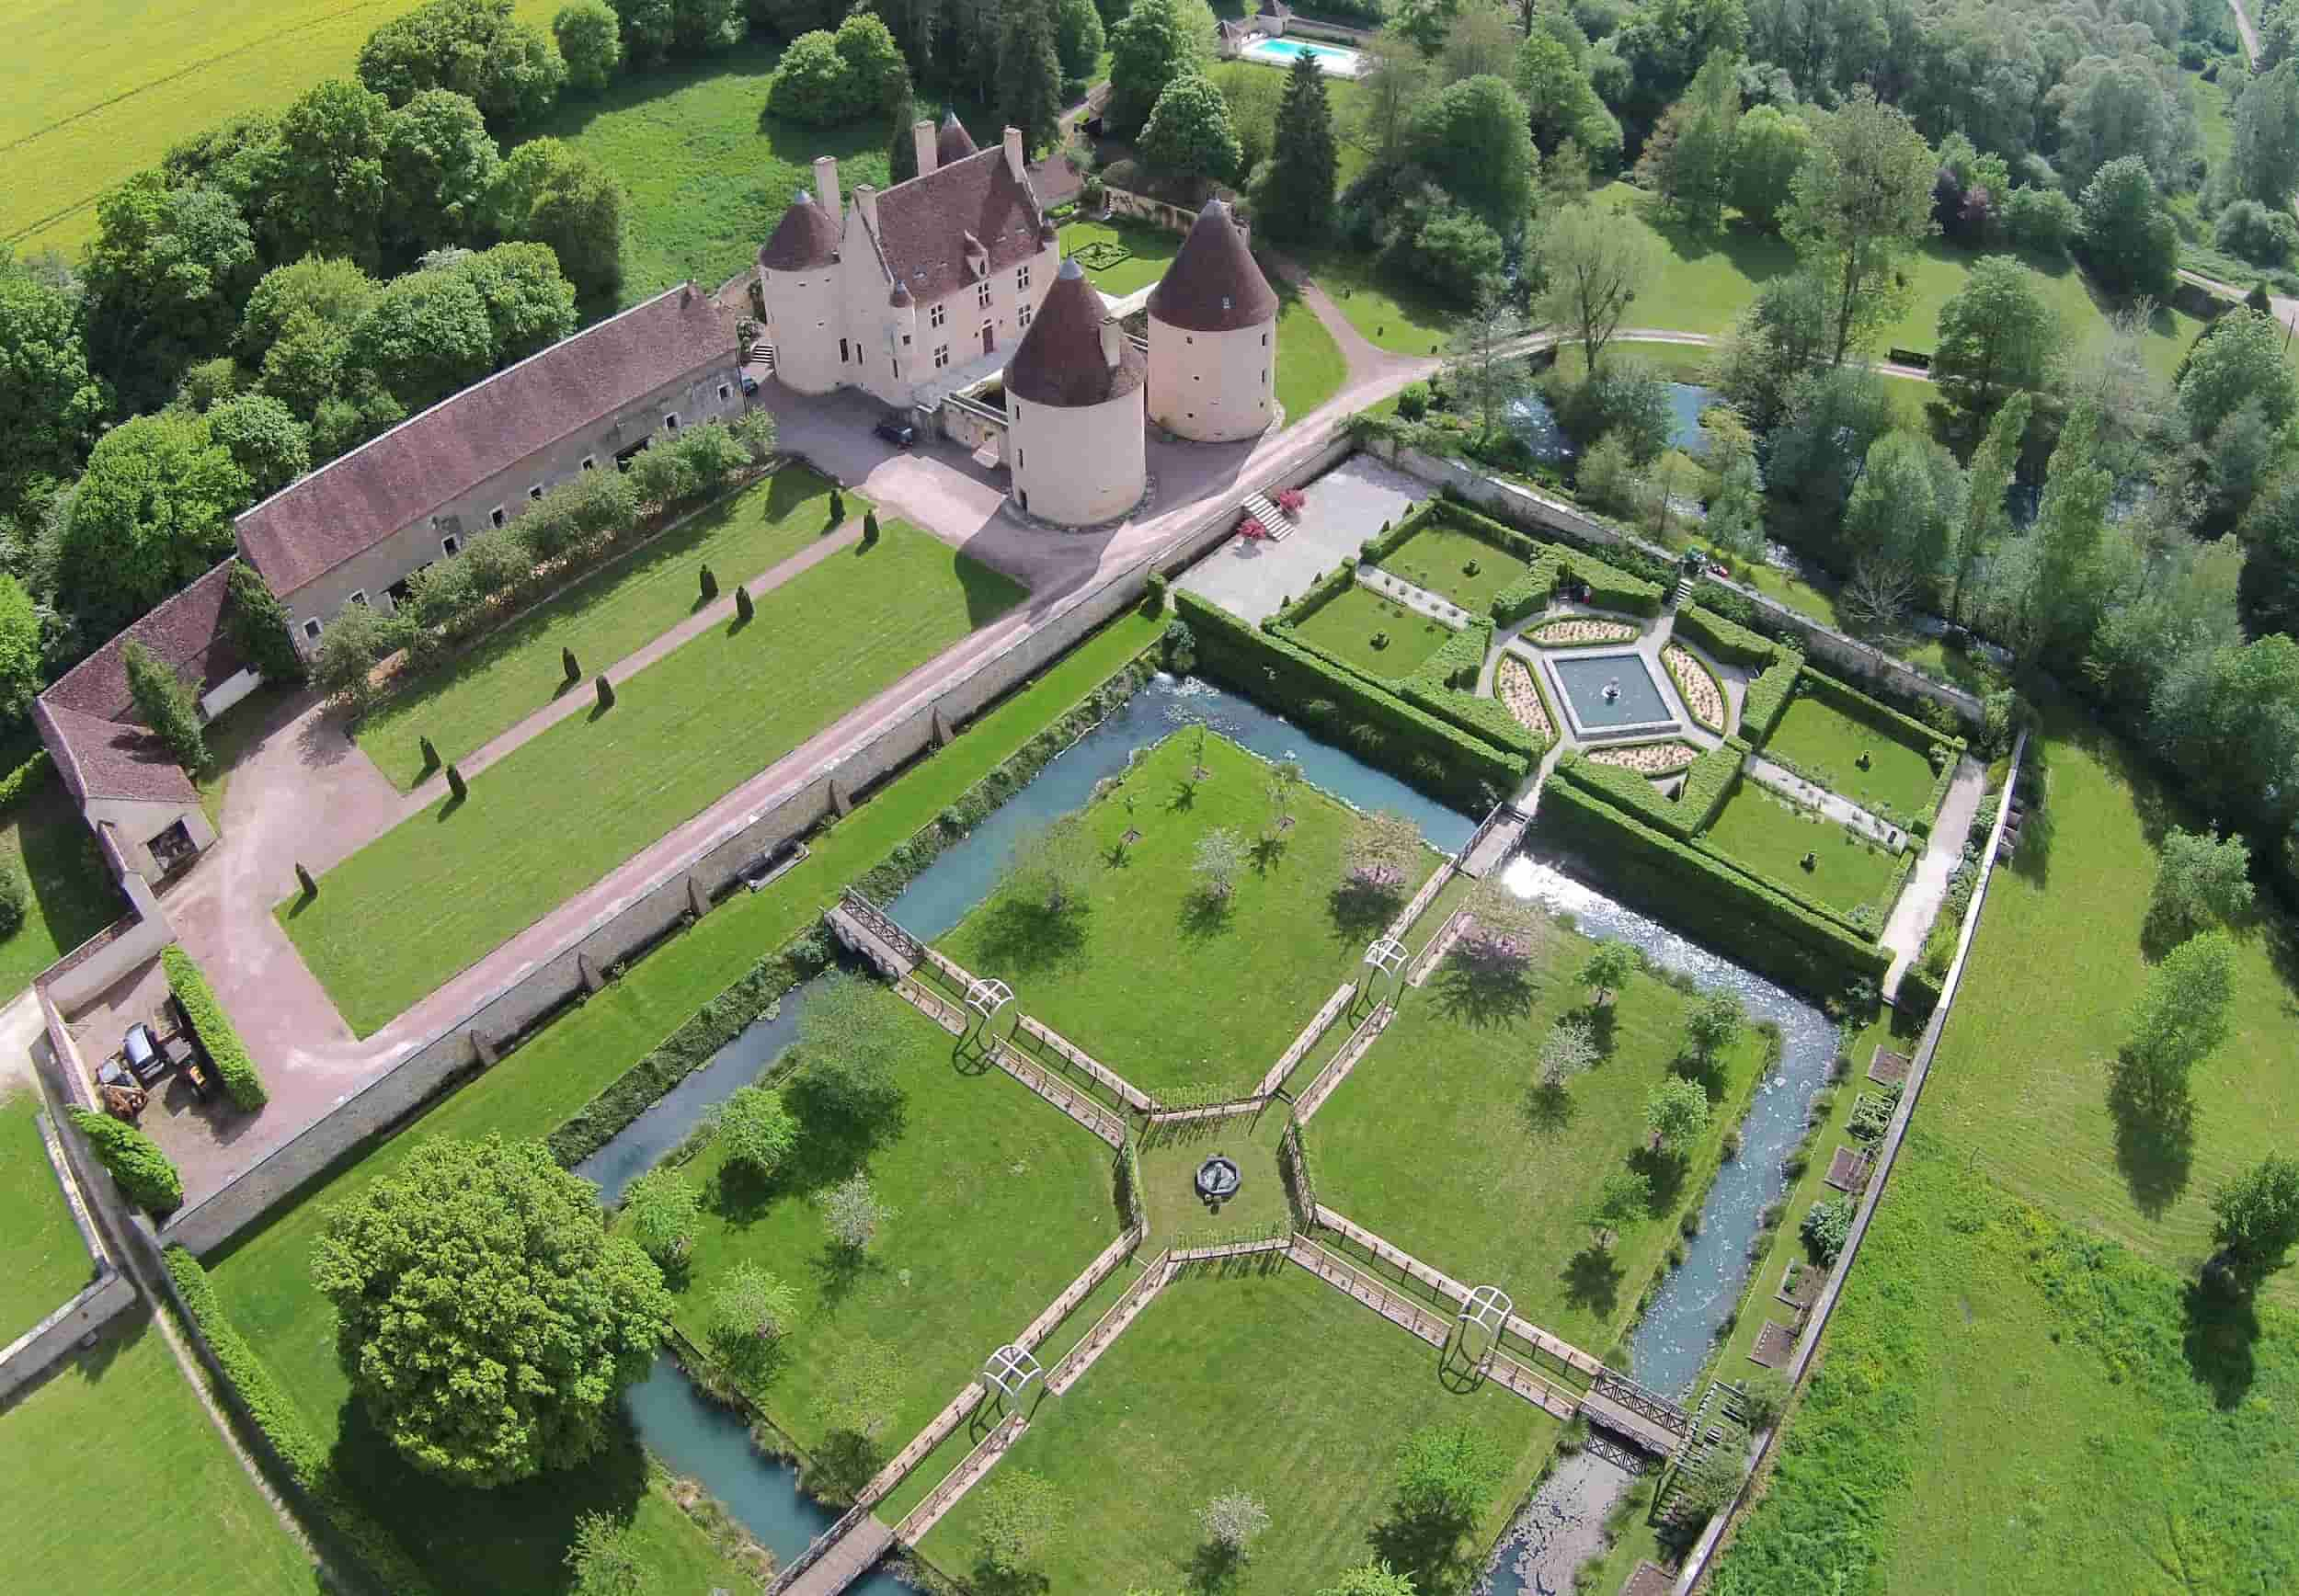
{"points": [[1060, 360], [347, 508], [806, 237], [952, 143], [924, 224], [88, 718], [1213, 285]]}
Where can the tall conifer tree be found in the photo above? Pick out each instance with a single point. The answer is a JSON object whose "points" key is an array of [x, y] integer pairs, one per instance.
{"points": [[1297, 200]]}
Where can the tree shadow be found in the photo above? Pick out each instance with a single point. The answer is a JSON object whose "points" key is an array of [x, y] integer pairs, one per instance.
{"points": [[1483, 992], [839, 1269], [1361, 911], [1604, 1023], [1666, 1171], [446, 810], [1592, 1280], [1546, 1110], [1214, 1569], [1023, 935], [1267, 853], [844, 1461], [989, 1580], [1207, 914], [1426, 1547], [2221, 1328], [2154, 1138]]}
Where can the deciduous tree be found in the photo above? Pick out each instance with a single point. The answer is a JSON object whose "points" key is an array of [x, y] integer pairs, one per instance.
{"points": [[659, 1211], [2128, 238], [2239, 360], [152, 512], [1475, 141], [1689, 157], [1622, 1196], [1861, 201], [1156, 43], [852, 1212], [1997, 333], [1569, 1050], [1372, 1578], [1608, 967], [441, 165], [440, 1274], [2258, 1220], [2180, 1015], [163, 703], [1021, 1515], [426, 337], [1447, 1473], [589, 38], [1594, 263], [1189, 135], [50, 403], [1768, 150], [513, 71], [752, 1308], [1677, 1110], [2199, 878], [1220, 857], [551, 193]]}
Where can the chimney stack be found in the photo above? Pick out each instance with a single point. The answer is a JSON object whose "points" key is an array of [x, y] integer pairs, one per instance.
{"points": [[826, 185], [1113, 342], [1013, 152], [923, 141], [866, 201]]}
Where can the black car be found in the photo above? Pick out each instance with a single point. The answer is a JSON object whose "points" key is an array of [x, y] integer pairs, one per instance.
{"points": [[749, 383], [896, 430]]}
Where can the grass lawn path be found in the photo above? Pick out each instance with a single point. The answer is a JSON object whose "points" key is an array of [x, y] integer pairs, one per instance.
{"points": [[516, 670], [1264, 1380], [1347, 624], [42, 1260], [559, 812]]}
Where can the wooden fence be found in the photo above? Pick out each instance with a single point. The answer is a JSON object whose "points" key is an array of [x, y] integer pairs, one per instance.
{"points": [[1048, 1038], [1061, 1094], [1308, 1039], [1294, 1165], [1080, 1358], [1338, 1068], [1436, 946], [955, 1484], [1182, 1255], [1231, 1109], [937, 1430], [1420, 900], [1082, 1288]]}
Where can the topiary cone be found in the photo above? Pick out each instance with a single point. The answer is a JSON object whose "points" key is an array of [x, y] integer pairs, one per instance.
{"points": [[744, 609], [870, 526], [710, 584], [430, 754], [310, 887], [838, 508], [573, 670], [455, 784], [606, 693]]}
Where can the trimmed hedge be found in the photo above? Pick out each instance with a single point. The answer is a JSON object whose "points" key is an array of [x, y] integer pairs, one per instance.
{"points": [[258, 1394], [1610, 587], [1767, 698], [1704, 896], [135, 1160], [1705, 783], [25, 777], [217, 1034], [1727, 640], [1528, 594], [1922, 825], [1438, 757], [1889, 722], [1702, 666]]}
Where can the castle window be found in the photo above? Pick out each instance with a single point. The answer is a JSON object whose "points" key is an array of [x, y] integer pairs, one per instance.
{"points": [[1023, 316], [841, 352], [936, 314], [725, 392], [591, 462], [1022, 276], [310, 629], [670, 422], [359, 597], [496, 517], [535, 492], [981, 295], [942, 356], [448, 545], [1264, 340]]}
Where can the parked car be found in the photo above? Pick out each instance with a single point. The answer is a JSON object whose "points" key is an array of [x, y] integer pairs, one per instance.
{"points": [[749, 384], [896, 428], [141, 1053]]}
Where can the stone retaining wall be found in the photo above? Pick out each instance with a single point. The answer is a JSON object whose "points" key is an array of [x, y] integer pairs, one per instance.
{"points": [[624, 930], [103, 1300]]}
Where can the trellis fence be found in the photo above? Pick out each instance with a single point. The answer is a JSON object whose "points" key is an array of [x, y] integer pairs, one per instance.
{"points": [[1051, 1041], [1080, 1358], [1435, 950], [1338, 1068], [1309, 1037], [959, 1480]]}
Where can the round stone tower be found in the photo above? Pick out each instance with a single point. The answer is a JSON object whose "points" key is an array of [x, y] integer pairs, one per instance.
{"points": [[798, 283], [1213, 336], [1075, 441]]}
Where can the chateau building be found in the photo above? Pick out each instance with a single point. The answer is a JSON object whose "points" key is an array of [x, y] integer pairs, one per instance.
{"points": [[1213, 336], [1075, 438]]}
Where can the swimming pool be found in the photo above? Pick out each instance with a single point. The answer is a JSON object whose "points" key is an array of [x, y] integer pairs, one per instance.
{"points": [[1282, 52]]}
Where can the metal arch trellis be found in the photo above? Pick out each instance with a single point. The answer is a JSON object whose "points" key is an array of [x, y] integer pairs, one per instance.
{"points": [[1488, 1308], [1384, 961], [986, 997], [1010, 1369]]}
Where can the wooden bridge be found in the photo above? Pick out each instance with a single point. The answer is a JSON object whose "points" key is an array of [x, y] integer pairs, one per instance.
{"points": [[1643, 1418], [866, 929], [840, 1555], [1494, 840]]}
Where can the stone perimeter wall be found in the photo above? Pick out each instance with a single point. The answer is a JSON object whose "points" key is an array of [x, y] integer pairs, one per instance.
{"points": [[103, 1300], [618, 933]]}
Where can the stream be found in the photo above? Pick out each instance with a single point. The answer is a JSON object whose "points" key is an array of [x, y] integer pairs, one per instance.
{"points": [[696, 1437]]}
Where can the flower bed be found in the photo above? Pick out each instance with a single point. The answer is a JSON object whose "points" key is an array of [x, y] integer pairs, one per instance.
{"points": [[1578, 631], [1513, 680], [1648, 758], [1696, 685]]}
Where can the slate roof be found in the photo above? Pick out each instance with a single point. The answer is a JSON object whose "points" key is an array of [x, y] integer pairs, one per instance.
{"points": [[392, 482], [952, 143], [923, 224], [88, 720], [1060, 360], [1213, 285], [806, 237]]}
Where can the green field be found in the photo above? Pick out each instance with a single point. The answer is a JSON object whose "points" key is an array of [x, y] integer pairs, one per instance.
{"points": [[1438, 556], [1310, 365], [1267, 1380], [1171, 1155], [516, 670], [122, 1486], [1165, 990], [1152, 250], [1827, 744], [1771, 836], [397, 918], [1347, 624], [2006, 1403], [72, 896], [42, 1260], [1442, 1142], [264, 1277], [2022, 1081], [99, 91], [1000, 1200], [1399, 316]]}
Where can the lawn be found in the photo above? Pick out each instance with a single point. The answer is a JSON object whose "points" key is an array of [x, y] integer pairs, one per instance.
{"points": [[1000, 1200], [1172, 1153], [1310, 367], [1153, 249], [397, 918], [1441, 1143], [43, 1261], [264, 1276], [2021, 1080], [1827, 744], [72, 896], [123, 1487], [708, 171], [1771, 836], [1347, 624], [611, 612], [1142, 973], [1400, 316], [98, 91], [1260, 1380], [1438, 557], [2007, 1403]]}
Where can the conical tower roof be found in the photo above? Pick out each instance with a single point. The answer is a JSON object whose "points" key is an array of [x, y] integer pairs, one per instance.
{"points": [[1213, 285], [807, 237], [1060, 360], [952, 143]]}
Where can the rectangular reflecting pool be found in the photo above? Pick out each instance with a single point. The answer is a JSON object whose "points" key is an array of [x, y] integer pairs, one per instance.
{"points": [[1606, 691]]}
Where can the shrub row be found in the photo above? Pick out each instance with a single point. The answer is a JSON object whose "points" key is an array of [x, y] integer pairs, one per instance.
{"points": [[258, 1395], [1610, 587], [217, 1033], [1706, 898], [1727, 640], [1767, 698], [1702, 666], [135, 1160], [1706, 782], [1439, 758], [1444, 686], [20, 782]]}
